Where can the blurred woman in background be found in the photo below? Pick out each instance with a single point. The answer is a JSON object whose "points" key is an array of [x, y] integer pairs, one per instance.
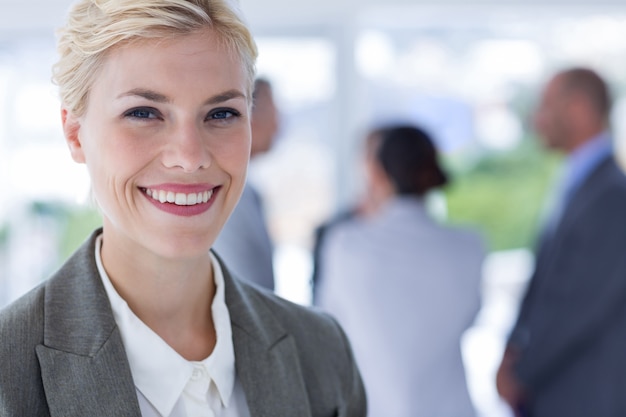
{"points": [[403, 286]]}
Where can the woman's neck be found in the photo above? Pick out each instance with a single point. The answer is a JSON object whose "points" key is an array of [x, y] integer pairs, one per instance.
{"points": [[172, 297]]}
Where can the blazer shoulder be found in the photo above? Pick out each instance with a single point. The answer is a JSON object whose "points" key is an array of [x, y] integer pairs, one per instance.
{"points": [[21, 331], [605, 190], [607, 175], [297, 319], [23, 317]]}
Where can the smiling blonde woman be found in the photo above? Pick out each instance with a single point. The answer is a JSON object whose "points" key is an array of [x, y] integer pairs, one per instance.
{"points": [[144, 319]]}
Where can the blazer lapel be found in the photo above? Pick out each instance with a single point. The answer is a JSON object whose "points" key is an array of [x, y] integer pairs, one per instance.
{"points": [[84, 366], [266, 357], [83, 363], [77, 385]]}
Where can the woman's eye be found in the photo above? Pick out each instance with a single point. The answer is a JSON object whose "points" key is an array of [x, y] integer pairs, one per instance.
{"points": [[142, 113], [221, 114]]}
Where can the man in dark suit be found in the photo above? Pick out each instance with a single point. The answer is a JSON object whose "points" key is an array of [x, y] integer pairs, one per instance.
{"points": [[566, 355]]}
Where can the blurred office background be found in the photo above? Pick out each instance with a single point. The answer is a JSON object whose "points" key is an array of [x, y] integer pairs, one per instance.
{"points": [[469, 71]]}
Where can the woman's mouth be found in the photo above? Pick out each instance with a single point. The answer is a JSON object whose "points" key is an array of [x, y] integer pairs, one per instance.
{"points": [[180, 199]]}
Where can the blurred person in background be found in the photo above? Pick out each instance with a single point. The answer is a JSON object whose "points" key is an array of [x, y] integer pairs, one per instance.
{"points": [[319, 234], [245, 243], [144, 319], [363, 206], [404, 287], [566, 355]]}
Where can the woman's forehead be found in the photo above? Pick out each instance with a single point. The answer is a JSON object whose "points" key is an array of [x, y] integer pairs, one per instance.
{"points": [[191, 59]]}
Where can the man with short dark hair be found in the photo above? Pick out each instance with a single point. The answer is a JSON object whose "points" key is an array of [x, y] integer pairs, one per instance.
{"points": [[566, 355]]}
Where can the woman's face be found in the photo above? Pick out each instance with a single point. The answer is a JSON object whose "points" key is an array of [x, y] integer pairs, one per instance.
{"points": [[166, 140]]}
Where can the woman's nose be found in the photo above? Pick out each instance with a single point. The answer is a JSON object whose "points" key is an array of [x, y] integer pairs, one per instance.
{"points": [[187, 149]]}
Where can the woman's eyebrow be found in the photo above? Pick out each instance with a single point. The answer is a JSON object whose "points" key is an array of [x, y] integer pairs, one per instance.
{"points": [[161, 98], [225, 96], [147, 94]]}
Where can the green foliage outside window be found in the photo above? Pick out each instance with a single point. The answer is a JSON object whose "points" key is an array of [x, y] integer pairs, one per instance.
{"points": [[78, 226], [503, 195]]}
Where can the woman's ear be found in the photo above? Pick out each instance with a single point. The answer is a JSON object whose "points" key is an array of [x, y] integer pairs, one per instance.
{"points": [[71, 129]]}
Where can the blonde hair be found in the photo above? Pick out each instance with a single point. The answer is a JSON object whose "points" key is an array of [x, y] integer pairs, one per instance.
{"points": [[94, 27]]}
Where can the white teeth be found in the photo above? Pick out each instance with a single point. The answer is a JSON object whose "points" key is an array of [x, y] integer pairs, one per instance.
{"points": [[180, 199]]}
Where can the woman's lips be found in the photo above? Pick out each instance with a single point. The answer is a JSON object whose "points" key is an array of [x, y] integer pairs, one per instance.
{"points": [[181, 200]]}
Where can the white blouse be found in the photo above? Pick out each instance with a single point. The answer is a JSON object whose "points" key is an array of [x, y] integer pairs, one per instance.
{"points": [[167, 384]]}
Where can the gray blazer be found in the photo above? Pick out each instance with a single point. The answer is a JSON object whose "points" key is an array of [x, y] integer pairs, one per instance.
{"points": [[61, 353], [571, 331]]}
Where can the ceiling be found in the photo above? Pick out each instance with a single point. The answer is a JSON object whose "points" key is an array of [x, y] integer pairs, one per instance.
{"points": [[20, 16]]}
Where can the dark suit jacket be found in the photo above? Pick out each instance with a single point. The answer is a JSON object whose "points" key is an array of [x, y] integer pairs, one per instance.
{"points": [[61, 353], [571, 331]]}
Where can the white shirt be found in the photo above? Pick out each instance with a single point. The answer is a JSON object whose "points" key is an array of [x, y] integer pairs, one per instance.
{"points": [[167, 384]]}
